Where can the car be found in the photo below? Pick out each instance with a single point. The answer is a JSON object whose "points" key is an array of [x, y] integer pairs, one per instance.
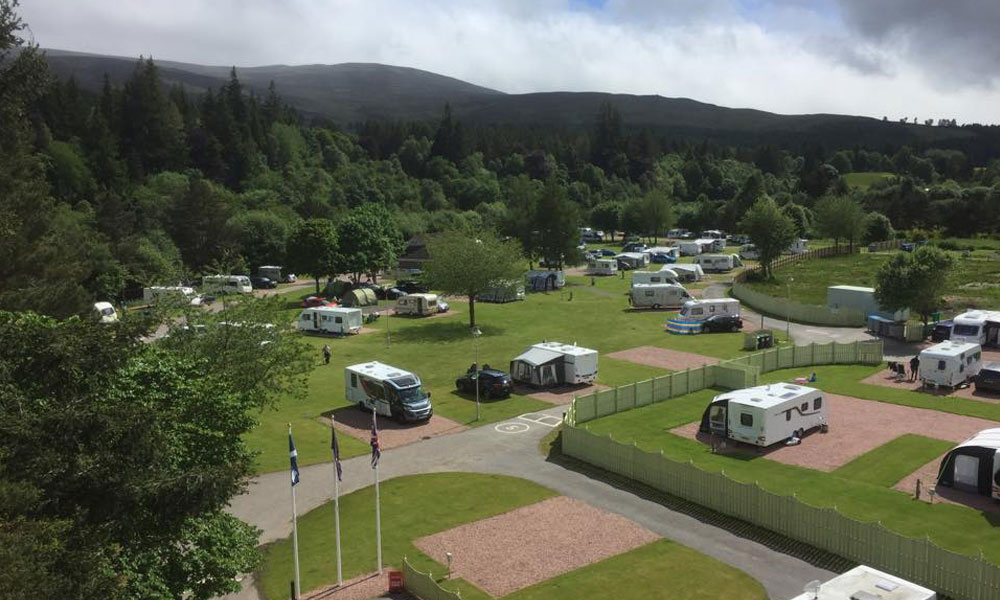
{"points": [[391, 293], [312, 301], [411, 286], [718, 323], [941, 331], [289, 278], [988, 379], [662, 258], [263, 283], [624, 266], [635, 247], [493, 383], [443, 306], [606, 252]]}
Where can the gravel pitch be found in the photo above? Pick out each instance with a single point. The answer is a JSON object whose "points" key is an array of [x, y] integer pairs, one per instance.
{"points": [[665, 359], [520, 548], [887, 379], [856, 426], [927, 475], [391, 434], [560, 395], [365, 587]]}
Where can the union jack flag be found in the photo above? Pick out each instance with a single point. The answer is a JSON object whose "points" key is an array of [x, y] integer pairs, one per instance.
{"points": [[376, 450]]}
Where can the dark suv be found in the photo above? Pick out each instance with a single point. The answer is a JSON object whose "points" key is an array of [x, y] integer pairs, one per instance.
{"points": [[717, 323], [941, 331], [263, 283], [988, 379], [493, 383]]}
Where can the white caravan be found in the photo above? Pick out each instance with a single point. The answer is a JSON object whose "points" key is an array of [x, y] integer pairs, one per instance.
{"points": [[766, 414], [555, 363], [664, 275], [718, 263], [420, 304], [711, 244], [330, 319], [690, 247], [273, 272], [687, 271], [977, 327], [749, 252], [950, 364], [863, 583], [390, 391], [602, 266], [105, 312], [656, 295], [226, 284], [799, 246], [180, 294], [637, 260], [713, 234], [696, 311]]}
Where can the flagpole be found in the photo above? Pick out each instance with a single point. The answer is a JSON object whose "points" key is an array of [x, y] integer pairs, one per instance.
{"points": [[295, 533], [378, 513], [336, 506]]}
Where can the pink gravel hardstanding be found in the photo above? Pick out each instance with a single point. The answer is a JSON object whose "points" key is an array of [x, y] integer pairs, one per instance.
{"points": [[665, 359], [357, 424], [534, 543]]}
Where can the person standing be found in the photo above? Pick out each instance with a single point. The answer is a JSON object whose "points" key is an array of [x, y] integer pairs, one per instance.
{"points": [[326, 354], [914, 367]]}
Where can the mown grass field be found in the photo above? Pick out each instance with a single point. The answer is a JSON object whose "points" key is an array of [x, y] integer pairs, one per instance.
{"points": [[864, 180], [861, 489]]}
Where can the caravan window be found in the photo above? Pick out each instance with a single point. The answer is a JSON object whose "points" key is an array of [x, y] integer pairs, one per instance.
{"points": [[654, 279], [940, 365], [817, 403], [338, 319], [711, 308], [746, 419], [788, 415], [697, 311], [965, 330], [354, 380], [804, 407], [305, 316], [649, 293]]}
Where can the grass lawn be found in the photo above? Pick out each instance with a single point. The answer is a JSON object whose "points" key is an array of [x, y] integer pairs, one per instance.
{"points": [[662, 569], [891, 462], [863, 180], [439, 349], [955, 527]]}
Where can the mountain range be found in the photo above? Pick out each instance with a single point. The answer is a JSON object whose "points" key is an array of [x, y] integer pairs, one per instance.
{"points": [[351, 93]]}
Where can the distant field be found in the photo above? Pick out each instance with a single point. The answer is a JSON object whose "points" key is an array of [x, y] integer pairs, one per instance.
{"points": [[864, 180]]}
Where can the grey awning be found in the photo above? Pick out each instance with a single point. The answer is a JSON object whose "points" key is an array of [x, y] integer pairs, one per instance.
{"points": [[538, 356]]}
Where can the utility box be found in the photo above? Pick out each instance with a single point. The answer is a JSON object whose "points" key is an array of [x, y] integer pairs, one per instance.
{"points": [[760, 339]]}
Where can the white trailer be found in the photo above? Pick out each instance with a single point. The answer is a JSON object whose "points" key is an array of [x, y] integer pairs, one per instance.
{"points": [[273, 272], [664, 275], [862, 583], [718, 263], [766, 414], [226, 284], [554, 363], [696, 311], [977, 327], [687, 271], [330, 319], [390, 391], [602, 266], [637, 260], [690, 247], [656, 295], [419, 304], [950, 364], [162, 293]]}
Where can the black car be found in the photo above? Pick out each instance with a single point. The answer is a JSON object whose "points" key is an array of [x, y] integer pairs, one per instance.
{"points": [[941, 331], [493, 383], [717, 323], [624, 266], [410, 286], [263, 283], [988, 379]]}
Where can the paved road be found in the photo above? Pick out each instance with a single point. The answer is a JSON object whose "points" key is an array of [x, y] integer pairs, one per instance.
{"points": [[486, 449]]}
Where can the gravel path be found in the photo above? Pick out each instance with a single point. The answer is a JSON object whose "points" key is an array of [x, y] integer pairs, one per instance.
{"points": [[391, 434], [665, 359], [528, 545], [365, 587], [561, 395], [887, 379]]}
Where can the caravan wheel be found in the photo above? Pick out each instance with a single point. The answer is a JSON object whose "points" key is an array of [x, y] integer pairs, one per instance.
{"points": [[800, 433], [361, 407], [656, 307]]}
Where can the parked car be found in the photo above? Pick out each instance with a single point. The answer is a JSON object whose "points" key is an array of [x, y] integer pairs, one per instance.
{"points": [[312, 301], [941, 331], [662, 258], [493, 383], [718, 323], [635, 247], [988, 379], [443, 306], [411, 286], [263, 283], [606, 252], [391, 294], [624, 266]]}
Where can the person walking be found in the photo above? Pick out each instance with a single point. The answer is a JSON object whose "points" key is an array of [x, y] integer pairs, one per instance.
{"points": [[914, 367], [326, 354]]}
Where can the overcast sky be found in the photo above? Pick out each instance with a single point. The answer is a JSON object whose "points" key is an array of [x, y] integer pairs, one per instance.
{"points": [[912, 58]]}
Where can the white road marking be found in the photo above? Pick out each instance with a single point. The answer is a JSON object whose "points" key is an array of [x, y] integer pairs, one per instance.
{"points": [[512, 427], [547, 420]]}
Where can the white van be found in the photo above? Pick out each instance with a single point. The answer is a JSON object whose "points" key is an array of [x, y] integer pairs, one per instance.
{"points": [[105, 312], [950, 364], [273, 272], [602, 266], [330, 319], [766, 414], [718, 263], [647, 277], [977, 327], [226, 284], [390, 391], [420, 304], [696, 311], [656, 295]]}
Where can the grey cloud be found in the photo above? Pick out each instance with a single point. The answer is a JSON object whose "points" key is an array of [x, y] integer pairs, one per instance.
{"points": [[860, 57]]}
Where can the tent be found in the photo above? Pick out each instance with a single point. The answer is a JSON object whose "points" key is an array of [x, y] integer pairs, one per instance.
{"points": [[359, 297], [337, 288], [972, 466]]}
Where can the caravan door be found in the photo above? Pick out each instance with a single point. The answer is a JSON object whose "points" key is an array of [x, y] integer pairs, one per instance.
{"points": [[718, 418], [547, 375], [967, 472]]}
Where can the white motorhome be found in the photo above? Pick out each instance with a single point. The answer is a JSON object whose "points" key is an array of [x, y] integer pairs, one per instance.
{"points": [[713, 234], [656, 295], [226, 284], [273, 272], [977, 327], [950, 363], [637, 260], [766, 414], [169, 293], [602, 266], [749, 252], [696, 311], [865, 583], [390, 391], [718, 263], [555, 363], [687, 271], [420, 304], [330, 319], [690, 247], [105, 312], [711, 244], [677, 233], [664, 275]]}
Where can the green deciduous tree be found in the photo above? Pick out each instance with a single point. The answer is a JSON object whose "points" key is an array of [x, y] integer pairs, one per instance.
{"points": [[657, 214], [557, 222], [369, 241], [469, 263], [312, 248], [914, 280], [878, 228], [841, 218], [770, 230], [607, 217]]}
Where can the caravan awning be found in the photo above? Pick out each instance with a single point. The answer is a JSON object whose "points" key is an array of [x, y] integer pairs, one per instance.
{"points": [[538, 356]]}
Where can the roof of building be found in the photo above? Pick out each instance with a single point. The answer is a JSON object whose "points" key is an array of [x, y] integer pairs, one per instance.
{"points": [[874, 584]]}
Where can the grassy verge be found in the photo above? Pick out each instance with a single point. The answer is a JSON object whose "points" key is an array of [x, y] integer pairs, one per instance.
{"points": [[863, 180], [662, 569], [891, 462]]}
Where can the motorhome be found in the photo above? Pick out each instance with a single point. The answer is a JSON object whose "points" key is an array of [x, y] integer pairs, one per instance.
{"points": [[711, 245], [977, 327], [695, 311], [591, 235], [420, 304], [226, 284], [330, 319], [657, 295], [602, 266], [390, 391], [178, 294], [636, 260], [865, 583], [799, 246], [718, 263], [713, 234], [688, 271], [677, 233], [749, 252], [554, 363], [950, 364], [274, 273], [104, 312], [766, 414], [662, 276]]}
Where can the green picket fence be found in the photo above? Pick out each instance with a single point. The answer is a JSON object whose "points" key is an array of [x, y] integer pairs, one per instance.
{"points": [[917, 559], [423, 586]]}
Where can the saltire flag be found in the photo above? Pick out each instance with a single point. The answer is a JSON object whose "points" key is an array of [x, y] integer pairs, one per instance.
{"points": [[293, 457], [376, 450], [336, 453]]}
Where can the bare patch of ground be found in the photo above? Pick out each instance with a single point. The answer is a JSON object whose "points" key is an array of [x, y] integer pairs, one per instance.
{"points": [[424, 317], [562, 394], [357, 424], [665, 359], [365, 587], [887, 378], [927, 475], [856, 426], [520, 548]]}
